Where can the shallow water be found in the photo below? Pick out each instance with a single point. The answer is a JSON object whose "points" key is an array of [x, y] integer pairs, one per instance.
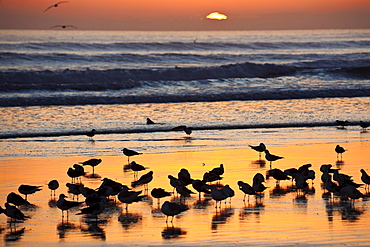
{"points": [[280, 218]]}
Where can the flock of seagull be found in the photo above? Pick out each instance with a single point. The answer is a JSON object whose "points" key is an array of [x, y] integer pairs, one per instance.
{"points": [[209, 185], [55, 6]]}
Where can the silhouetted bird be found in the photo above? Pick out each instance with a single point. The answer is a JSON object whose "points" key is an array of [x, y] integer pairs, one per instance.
{"points": [[342, 123], [129, 153], [136, 168], [184, 177], [149, 121], [92, 163], [14, 213], [94, 209], [53, 185], [128, 197], [28, 189], [260, 149], [91, 134], [55, 5], [246, 189], [172, 209], [64, 26], [365, 178], [144, 180], [364, 125], [65, 205], [187, 130], [159, 193], [271, 157], [16, 199], [339, 150]]}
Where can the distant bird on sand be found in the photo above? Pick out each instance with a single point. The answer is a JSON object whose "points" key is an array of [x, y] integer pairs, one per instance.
{"points": [[65, 205], [342, 123], [260, 148], [63, 26], [159, 193], [53, 185], [365, 178], [364, 125], [149, 121], [92, 163], [187, 130], [28, 189], [91, 134], [129, 153], [339, 150], [271, 157], [144, 180], [55, 5], [172, 209]]}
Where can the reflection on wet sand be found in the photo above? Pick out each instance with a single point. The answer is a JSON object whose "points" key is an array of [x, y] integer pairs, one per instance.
{"points": [[171, 232]]}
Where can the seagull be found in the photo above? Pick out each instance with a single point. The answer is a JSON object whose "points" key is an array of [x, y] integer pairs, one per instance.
{"points": [[144, 180], [94, 209], [53, 185], [55, 5], [218, 194], [159, 193], [184, 177], [28, 189], [172, 209], [128, 197], [260, 148], [339, 150], [149, 121], [187, 130], [65, 205], [200, 186], [278, 175], [271, 157], [128, 153], [16, 199], [365, 178], [14, 213], [246, 188], [364, 125], [64, 26], [342, 123], [350, 192], [136, 168], [91, 133], [92, 163]]}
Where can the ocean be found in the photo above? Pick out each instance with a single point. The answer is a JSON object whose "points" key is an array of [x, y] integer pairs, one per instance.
{"points": [[233, 88]]}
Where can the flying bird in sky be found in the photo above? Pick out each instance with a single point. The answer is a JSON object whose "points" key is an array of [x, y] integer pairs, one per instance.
{"points": [[63, 26], [55, 5]]}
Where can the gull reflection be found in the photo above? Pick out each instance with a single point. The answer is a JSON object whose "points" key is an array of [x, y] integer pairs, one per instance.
{"points": [[64, 227], [171, 232], [251, 209], [259, 163], [128, 219], [221, 216], [14, 235], [202, 203]]}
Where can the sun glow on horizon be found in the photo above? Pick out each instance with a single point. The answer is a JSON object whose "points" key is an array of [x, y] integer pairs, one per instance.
{"points": [[216, 16]]}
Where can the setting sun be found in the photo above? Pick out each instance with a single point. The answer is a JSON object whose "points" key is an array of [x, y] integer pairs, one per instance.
{"points": [[216, 16]]}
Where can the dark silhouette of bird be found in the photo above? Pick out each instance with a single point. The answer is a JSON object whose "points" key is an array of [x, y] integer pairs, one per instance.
{"points": [[92, 163], [64, 26], [184, 177], [260, 149], [129, 153], [91, 134], [172, 209], [365, 178], [16, 199], [14, 213], [55, 5], [28, 189], [364, 125], [271, 157], [278, 175], [144, 180], [149, 121], [201, 186], [65, 205], [53, 185], [187, 130], [246, 189], [342, 123], [128, 197], [339, 150], [94, 209], [136, 168], [159, 193]]}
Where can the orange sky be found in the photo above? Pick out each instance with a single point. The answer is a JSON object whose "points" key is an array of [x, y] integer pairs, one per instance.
{"points": [[186, 14]]}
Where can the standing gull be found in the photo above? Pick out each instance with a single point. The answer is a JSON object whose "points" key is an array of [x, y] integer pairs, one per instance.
{"points": [[92, 163], [129, 153], [172, 209], [260, 149], [365, 178], [28, 189], [53, 185], [339, 150], [271, 157], [91, 133], [364, 125], [65, 205]]}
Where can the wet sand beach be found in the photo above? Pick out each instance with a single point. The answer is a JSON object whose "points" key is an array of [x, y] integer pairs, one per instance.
{"points": [[282, 217]]}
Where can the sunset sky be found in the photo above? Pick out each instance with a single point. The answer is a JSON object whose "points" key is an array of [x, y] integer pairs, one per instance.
{"points": [[186, 14]]}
